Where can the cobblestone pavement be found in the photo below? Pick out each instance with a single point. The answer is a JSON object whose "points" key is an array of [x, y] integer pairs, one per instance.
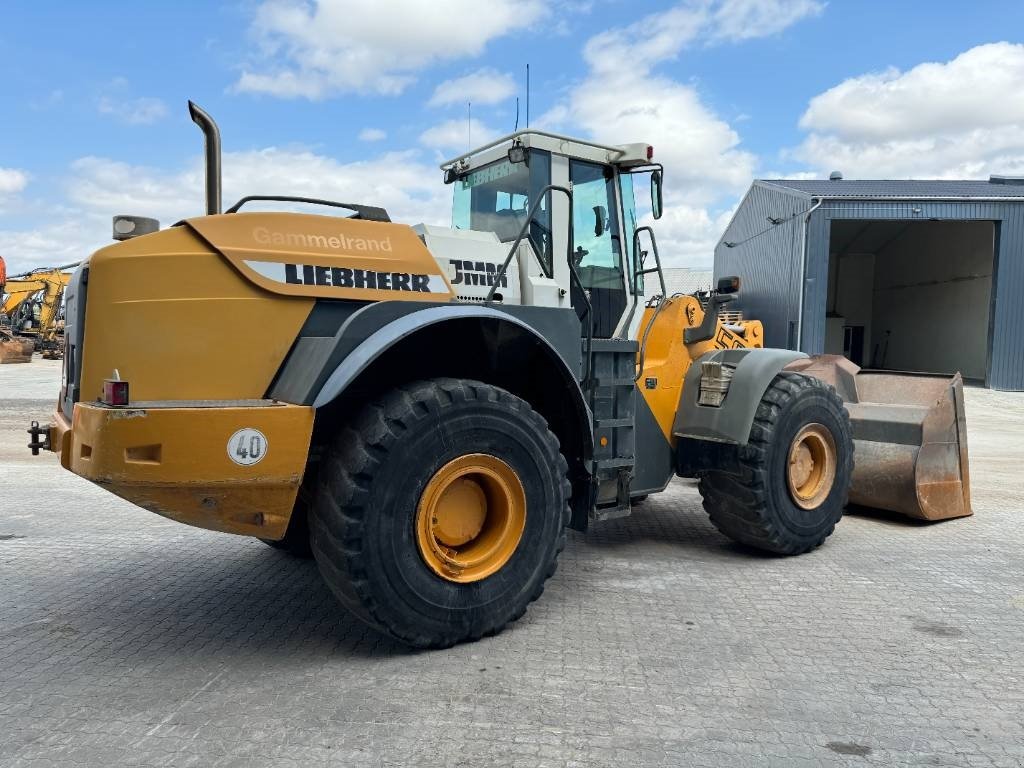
{"points": [[129, 639]]}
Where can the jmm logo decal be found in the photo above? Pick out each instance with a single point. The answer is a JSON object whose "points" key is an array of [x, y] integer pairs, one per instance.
{"points": [[475, 273], [345, 277]]}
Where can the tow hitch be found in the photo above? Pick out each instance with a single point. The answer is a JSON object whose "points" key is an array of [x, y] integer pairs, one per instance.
{"points": [[35, 445]]}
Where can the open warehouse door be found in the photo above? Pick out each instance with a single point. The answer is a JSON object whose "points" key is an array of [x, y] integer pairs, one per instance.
{"points": [[912, 295]]}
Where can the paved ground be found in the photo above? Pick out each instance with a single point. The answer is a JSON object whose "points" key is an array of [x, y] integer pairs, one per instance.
{"points": [[128, 639]]}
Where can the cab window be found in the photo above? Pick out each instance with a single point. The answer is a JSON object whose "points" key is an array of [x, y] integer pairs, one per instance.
{"points": [[496, 198]]}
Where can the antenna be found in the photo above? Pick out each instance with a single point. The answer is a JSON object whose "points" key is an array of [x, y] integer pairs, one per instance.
{"points": [[517, 116], [527, 95]]}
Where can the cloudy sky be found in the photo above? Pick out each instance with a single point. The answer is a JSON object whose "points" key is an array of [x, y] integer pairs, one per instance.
{"points": [[359, 100]]}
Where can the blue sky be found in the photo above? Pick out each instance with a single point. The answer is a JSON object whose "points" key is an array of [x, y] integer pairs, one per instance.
{"points": [[93, 118]]}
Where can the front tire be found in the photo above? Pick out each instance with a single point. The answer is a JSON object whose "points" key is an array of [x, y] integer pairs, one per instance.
{"points": [[441, 511], [794, 472]]}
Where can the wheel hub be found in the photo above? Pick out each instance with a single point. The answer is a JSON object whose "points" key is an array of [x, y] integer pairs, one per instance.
{"points": [[470, 518], [811, 469]]}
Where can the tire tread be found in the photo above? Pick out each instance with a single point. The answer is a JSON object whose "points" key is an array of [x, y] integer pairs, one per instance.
{"points": [[739, 505], [349, 469]]}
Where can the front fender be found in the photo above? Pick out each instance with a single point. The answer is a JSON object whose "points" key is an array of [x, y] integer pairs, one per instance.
{"points": [[730, 422]]}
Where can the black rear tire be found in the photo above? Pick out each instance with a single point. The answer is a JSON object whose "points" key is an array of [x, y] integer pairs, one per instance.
{"points": [[755, 506], [370, 483]]}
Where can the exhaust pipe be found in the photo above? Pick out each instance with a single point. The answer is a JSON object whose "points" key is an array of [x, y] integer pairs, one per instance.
{"points": [[211, 134]]}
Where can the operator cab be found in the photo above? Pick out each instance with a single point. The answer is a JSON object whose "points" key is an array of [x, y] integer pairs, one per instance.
{"points": [[516, 185]]}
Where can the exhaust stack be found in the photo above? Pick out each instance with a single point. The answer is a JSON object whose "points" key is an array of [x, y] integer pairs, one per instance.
{"points": [[211, 134]]}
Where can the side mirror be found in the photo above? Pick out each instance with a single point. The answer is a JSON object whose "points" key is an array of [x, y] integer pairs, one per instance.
{"points": [[656, 199], [600, 216], [730, 284]]}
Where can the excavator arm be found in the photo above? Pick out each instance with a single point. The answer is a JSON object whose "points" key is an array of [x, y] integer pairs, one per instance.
{"points": [[51, 304], [17, 292], [50, 283]]}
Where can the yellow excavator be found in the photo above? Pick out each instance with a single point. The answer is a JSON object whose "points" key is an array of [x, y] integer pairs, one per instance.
{"points": [[31, 304], [428, 408]]}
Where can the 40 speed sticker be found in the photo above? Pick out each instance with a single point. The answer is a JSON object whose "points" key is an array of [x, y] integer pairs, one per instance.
{"points": [[247, 446]]}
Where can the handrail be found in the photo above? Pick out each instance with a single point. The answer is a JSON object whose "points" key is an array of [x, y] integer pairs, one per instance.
{"points": [[500, 274], [366, 212], [638, 270]]}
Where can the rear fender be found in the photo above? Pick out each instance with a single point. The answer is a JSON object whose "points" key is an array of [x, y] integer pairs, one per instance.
{"points": [[375, 345], [549, 382]]}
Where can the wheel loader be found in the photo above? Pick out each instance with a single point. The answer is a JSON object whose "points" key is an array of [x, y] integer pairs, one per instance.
{"points": [[428, 409]]}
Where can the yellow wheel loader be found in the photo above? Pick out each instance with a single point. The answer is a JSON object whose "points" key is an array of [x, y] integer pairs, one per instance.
{"points": [[428, 409]]}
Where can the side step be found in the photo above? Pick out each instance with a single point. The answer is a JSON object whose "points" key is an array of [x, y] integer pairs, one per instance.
{"points": [[611, 390]]}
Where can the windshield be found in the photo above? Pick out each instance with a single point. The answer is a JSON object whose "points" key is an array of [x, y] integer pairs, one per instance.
{"points": [[497, 197]]}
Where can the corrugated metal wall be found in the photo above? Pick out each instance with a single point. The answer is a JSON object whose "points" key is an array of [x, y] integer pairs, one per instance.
{"points": [[1006, 369], [766, 257], [769, 264]]}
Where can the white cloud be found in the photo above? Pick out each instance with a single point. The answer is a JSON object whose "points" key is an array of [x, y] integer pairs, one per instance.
{"points": [[372, 134], [319, 48], [662, 35], [140, 111], [485, 86], [457, 135], [625, 99], [12, 181], [687, 235], [399, 181], [700, 151], [51, 245], [954, 119], [745, 19], [402, 182]]}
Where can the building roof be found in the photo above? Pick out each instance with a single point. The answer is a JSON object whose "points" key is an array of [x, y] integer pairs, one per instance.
{"points": [[915, 189], [684, 280]]}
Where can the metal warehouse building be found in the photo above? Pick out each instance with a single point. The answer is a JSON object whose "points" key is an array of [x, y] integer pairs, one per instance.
{"points": [[902, 275]]}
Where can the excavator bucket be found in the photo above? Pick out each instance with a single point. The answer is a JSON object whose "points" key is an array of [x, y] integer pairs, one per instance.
{"points": [[910, 438], [14, 349]]}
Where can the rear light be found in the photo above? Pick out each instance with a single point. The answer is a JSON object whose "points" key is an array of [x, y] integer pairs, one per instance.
{"points": [[650, 152], [115, 392]]}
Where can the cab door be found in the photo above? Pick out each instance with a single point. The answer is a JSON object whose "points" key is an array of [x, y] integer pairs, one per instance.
{"points": [[597, 246]]}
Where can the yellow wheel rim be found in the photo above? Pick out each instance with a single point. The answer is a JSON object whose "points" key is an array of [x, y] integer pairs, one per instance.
{"points": [[811, 470], [470, 518]]}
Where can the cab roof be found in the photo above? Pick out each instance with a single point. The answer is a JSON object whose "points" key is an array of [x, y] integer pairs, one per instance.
{"points": [[627, 155]]}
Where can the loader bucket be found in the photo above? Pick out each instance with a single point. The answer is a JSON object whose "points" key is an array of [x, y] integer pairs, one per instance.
{"points": [[15, 350], [910, 438]]}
